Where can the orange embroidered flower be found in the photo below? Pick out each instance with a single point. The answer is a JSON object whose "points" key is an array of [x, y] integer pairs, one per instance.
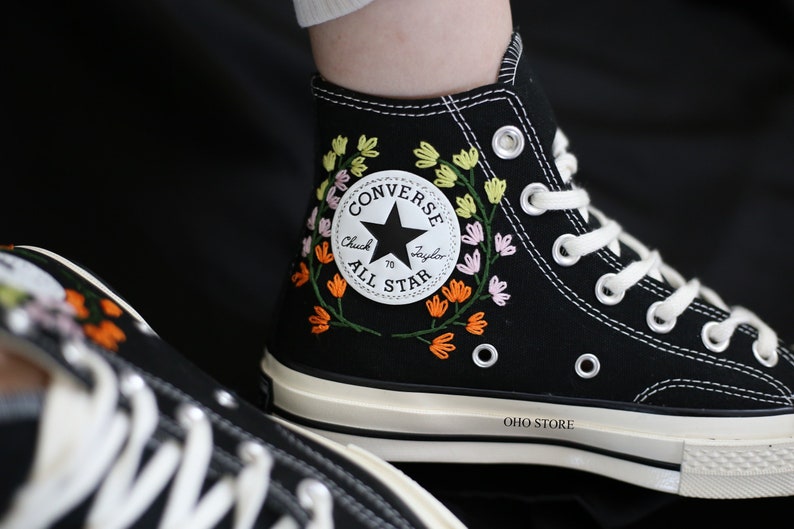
{"points": [[476, 323], [110, 308], [106, 334], [77, 301], [322, 253], [457, 292], [337, 286], [436, 307], [319, 320], [441, 346], [301, 276]]}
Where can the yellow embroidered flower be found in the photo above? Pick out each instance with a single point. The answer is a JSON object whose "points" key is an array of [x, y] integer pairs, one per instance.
{"points": [[476, 323], [495, 189], [300, 277], [466, 207], [357, 166], [319, 320], [446, 176], [457, 292], [329, 161], [321, 190], [466, 159], [367, 146], [322, 253], [428, 156], [436, 307], [339, 145], [441, 346], [337, 286]]}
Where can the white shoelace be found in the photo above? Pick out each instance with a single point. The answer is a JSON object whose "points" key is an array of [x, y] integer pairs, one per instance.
{"points": [[611, 288], [87, 443]]}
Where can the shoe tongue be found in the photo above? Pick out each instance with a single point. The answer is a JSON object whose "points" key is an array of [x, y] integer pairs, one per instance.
{"points": [[516, 72]]}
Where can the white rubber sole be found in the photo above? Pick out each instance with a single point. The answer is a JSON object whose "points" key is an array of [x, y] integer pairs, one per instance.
{"points": [[702, 457]]}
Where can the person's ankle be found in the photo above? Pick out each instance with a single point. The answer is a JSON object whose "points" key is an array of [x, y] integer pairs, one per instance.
{"points": [[17, 374]]}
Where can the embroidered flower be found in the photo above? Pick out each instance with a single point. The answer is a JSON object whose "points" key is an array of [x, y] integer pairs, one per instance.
{"points": [[53, 314], [428, 156], [472, 265], [495, 189], [337, 286], [446, 176], [306, 247], [325, 227], [332, 199], [367, 146], [502, 244], [329, 161], [341, 179], [357, 166], [496, 290], [339, 145], [474, 234], [322, 253], [466, 207], [321, 190], [436, 307], [441, 346], [301, 276], [319, 320], [77, 301], [110, 308], [312, 218], [476, 323], [106, 334], [458, 291], [466, 159]]}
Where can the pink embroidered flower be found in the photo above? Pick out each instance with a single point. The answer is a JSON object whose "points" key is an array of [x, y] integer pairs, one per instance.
{"points": [[307, 246], [472, 265], [332, 199], [474, 235], [325, 227], [496, 290], [312, 218], [503, 246], [341, 179]]}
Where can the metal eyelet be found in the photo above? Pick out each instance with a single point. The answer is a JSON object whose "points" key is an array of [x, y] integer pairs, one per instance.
{"points": [[130, 383], [587, 365], [19, 321], [563, 259], [508, 142], [606, 296], [225, 399], [250, 451], [526, 199], [768, 362], [710, 344], [657, 324], [188, 414], [484, 355]]}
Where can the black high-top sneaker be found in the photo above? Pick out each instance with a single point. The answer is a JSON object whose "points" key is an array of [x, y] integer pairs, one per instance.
{"points": [[456, 298], [130, 434]]}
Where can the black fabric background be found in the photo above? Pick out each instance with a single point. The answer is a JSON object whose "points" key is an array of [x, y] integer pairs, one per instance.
{"points": [[166, 145]]}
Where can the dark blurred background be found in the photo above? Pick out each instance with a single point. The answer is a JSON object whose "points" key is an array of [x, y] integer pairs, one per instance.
{"points": [[166, 145]]}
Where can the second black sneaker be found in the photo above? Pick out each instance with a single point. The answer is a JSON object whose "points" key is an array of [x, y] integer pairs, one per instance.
{"points": [[457, 298]]}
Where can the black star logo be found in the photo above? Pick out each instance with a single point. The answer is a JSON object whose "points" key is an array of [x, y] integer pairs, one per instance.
{"points": [[392, 237]]}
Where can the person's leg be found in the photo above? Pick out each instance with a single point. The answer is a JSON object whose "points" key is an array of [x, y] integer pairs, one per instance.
{"points": [[414, 48]]}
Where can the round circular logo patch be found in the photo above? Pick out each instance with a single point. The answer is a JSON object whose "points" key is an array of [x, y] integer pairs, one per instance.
{"points": [[395, 237]]}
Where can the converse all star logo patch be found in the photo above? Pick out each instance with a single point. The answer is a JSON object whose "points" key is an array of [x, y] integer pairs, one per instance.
{"points": [[395, 237]]}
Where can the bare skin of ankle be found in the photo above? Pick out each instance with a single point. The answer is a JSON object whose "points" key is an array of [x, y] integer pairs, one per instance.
{"points": [[414, 48], [17, 374]]}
